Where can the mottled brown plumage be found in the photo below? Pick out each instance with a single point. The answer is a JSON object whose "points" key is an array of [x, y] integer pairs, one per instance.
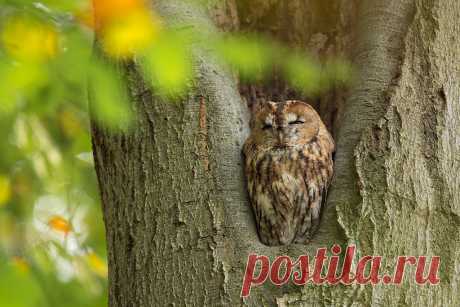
{"points": [[288, 165]]}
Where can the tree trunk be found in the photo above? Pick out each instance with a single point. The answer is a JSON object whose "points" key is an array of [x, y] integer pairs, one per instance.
{"points": [[179, 225]]}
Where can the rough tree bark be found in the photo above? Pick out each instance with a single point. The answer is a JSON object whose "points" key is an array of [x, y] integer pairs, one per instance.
{"points": [[179, 227]]}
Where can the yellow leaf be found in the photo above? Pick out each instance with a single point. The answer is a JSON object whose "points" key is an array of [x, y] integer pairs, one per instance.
{"points": [[22, 185], [5, 190], [97, 264], [21, 264], [106, 11], [130, 33], [70, 123], [29, 40], [60, 224]]}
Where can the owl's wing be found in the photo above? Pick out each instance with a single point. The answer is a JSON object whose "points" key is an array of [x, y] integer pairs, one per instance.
{"points": [[323, 195]]}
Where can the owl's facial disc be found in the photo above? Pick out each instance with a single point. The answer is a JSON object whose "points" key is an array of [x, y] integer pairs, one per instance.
{"points": [[287, 124], [294, 129], [268, 122]]}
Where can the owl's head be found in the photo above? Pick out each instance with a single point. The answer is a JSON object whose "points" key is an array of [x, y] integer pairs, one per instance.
{"points": [[284, 124]]}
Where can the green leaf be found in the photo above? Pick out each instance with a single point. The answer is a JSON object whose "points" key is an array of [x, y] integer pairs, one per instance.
{"points": [[167, 64], [20, 81], [109, 101], [18, 288], [249, 55], [303, 73], [338, 71]]}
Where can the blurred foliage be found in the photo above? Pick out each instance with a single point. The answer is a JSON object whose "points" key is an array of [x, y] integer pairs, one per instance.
{"points": [[52, 246]]}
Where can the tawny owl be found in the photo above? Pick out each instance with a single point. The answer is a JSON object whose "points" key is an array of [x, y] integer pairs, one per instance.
{"points": [[288, 165]]}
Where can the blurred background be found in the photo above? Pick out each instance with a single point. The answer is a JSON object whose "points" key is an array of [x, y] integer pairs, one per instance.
{"points": [[52, 246]]}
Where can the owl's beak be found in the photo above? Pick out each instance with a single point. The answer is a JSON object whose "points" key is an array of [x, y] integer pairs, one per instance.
{"points": [[280, 138]]}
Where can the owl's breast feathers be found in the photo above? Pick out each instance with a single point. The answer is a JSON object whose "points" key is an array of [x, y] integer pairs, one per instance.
{"points": [[286, 187]]}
